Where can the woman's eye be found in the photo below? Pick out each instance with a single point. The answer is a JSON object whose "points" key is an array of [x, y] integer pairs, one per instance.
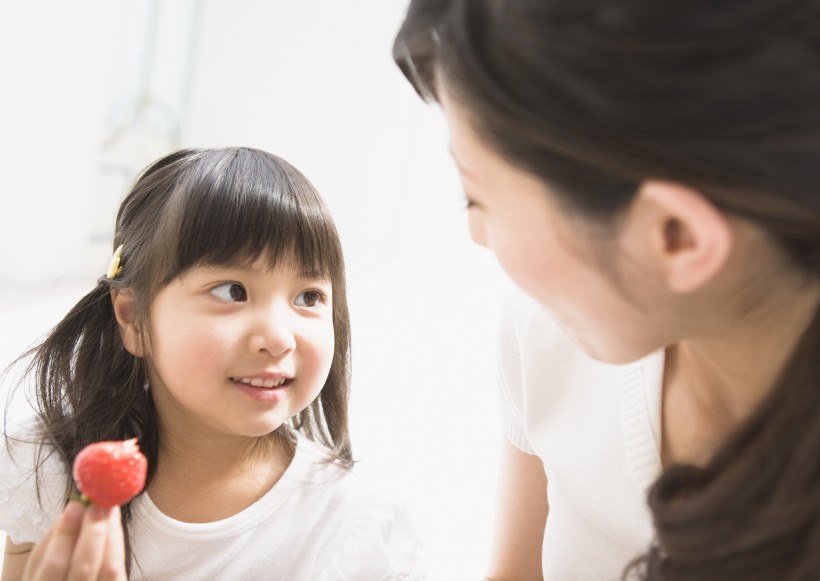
{"points": [[231, 292], [469, 203], [311, 298]]}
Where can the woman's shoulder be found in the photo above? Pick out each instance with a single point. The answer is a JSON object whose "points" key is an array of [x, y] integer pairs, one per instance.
{"points": [[33, 483]]}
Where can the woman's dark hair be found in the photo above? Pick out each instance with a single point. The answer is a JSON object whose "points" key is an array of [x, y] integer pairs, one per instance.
{"points": [[596, 96], [192, 207]]}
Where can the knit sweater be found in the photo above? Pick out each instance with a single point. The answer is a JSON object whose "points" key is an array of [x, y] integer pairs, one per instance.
{"points": [[596, 428]]}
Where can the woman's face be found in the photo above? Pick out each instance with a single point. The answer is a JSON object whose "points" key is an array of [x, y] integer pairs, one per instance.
{"points": [[551, 255]]}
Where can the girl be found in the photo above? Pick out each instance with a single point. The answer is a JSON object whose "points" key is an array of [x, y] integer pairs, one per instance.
{"points": [[647, 173], [219, 338]]}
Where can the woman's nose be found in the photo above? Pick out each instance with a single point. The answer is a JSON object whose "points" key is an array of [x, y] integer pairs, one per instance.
{"points": [[477, 232], [273, 333]]}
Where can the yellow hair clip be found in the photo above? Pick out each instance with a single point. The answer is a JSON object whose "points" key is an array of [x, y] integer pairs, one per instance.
{"points": [[114, 268]]}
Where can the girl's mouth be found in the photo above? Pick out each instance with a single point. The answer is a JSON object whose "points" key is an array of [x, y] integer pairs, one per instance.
{"points": [[264, 383]]}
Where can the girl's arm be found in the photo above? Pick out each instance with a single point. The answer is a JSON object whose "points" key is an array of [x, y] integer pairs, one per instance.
{"points": [[521, 515], [82, 544]]}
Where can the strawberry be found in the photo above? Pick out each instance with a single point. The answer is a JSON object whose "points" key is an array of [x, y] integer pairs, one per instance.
{"points": [[110, 473]]}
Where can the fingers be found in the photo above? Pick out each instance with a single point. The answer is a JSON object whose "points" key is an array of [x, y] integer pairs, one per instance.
{"points": [[52, 557], [113, 565], [100, 549], [91, 545], [83, 544]]}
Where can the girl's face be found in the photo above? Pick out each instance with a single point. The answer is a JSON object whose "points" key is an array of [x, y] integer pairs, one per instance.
{"points": [[239, 350], [548, 253]]}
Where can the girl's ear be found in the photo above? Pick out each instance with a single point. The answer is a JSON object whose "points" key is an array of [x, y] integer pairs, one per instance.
{"points": [[123, 302], [691, 238]]}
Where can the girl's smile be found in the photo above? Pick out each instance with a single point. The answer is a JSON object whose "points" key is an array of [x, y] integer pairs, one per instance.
{"points": [[265, 387]]}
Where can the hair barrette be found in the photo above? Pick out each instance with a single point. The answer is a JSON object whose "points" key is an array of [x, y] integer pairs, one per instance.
{"points": [[114, 268]]}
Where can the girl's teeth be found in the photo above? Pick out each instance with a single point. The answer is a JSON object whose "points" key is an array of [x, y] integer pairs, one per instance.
{"points": [[256, 382]]}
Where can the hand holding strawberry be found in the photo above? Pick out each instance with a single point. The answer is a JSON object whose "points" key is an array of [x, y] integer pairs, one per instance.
{"points": [[110, 473], [83, 543]]}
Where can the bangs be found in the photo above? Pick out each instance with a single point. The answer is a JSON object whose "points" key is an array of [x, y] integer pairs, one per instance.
{"points": [[237, 205]]}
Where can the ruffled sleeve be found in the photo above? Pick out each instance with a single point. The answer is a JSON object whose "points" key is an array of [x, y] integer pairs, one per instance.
{"points": [[26, 516], [379, 544]]}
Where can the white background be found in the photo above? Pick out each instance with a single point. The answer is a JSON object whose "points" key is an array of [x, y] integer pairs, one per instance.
{"points": [[95, 90]]}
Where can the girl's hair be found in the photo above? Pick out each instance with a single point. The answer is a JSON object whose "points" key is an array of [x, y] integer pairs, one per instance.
{"points": [[192, 207], [595, 96]]}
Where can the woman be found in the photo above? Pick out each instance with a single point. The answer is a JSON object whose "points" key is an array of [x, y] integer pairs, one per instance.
{"points": [[646, 172]]}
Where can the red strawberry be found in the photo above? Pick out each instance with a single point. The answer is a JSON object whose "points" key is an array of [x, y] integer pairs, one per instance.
{"points": [[110, 473]]}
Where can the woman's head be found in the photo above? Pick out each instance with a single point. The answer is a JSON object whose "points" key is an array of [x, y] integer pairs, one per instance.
{"points": [[599, 103], [233, 210], [675, 147]]}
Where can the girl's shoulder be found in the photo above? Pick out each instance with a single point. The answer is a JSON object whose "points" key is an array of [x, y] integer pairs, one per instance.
{"points": [[370, 532], [33, 483], [314, 467]]}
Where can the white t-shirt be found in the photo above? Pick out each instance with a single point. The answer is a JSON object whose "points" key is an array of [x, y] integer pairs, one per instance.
{"points": [[320, 522], [596, 428]]}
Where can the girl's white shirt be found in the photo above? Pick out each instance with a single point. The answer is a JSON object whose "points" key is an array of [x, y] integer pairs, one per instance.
{"points": [[596, 427], [319, 522]]}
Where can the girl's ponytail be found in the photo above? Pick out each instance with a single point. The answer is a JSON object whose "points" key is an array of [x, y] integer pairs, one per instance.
{"points": [[88, 387]]}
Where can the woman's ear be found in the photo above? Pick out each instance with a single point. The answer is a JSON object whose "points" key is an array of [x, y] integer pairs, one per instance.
{"points": [[123, 302], [691, 238]]}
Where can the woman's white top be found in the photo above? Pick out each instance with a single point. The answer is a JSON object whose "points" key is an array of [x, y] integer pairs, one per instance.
{"points": [[596, 428], [319, 522]]}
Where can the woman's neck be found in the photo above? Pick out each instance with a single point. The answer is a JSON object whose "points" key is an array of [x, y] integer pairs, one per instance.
{"points": [[211, 477], [714, 382]]}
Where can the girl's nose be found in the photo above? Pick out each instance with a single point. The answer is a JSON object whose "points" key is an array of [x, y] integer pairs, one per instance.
{"points": [[273, 333]]}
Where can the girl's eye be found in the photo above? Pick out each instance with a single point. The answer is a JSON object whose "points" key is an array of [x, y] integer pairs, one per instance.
{"points": [[311, 298], [230, 292]]}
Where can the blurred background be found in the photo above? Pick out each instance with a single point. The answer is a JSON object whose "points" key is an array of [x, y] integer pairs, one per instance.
{"points": [[93, 91]]}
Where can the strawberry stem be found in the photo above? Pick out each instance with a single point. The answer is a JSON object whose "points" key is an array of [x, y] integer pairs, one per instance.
{"points": [[81, 498]]}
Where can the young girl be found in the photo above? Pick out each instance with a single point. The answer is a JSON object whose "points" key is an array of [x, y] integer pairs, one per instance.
{"points": [[647, 172], [219, 338]]}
